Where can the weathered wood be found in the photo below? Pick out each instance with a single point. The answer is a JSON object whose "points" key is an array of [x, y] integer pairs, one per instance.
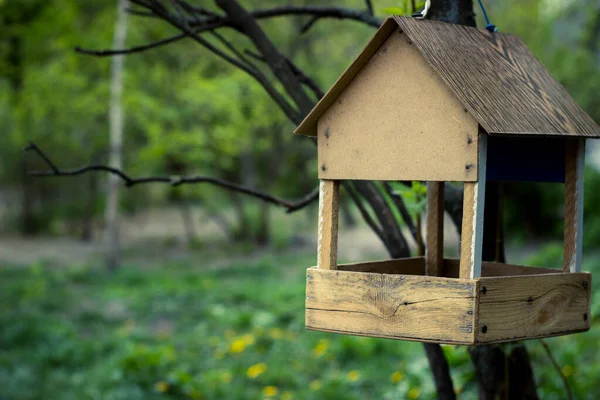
{"points": [[404, 266], [435, 228], [527, 307], [386, 124], [574, 166], [328, 224], [419, 308], [451, 268], [473, 210], [497, 78]]}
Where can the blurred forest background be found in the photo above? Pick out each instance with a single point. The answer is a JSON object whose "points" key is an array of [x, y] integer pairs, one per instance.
{"points": [[208, 302]]}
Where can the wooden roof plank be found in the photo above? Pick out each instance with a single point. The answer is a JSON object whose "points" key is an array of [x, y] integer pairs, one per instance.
{"points": [[497, 78]]}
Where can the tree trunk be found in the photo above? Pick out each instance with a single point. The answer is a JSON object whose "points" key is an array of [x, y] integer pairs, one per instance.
{"points": [[113, 254]]}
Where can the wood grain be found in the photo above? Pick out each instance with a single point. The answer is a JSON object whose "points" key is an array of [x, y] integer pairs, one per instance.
{"points": [[527, 307], [404, 266], [497, 78], [386, 124], [451, 268], [328, 224], [309, 124], [393, 306], [435, 228], [574, 166], [471, 245]]}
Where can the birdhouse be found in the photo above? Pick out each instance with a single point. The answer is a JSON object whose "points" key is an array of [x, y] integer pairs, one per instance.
{"points": [[431, 101]]}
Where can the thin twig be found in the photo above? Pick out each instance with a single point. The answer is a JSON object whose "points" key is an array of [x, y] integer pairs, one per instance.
{"points": [[558, 370], [364, 213], [369, 7], [403, 211], [129, 181], [131, 50], [305, 28], [305, 79]]}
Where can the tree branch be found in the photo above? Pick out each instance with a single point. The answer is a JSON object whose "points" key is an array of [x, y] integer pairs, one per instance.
{"points": [[557, 368], [364, 213], [403, 211], [369, 7], [129, 181], [132, 50]]}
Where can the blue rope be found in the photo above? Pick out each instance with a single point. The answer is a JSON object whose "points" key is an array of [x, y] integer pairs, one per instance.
{"points": [[489, 26]]}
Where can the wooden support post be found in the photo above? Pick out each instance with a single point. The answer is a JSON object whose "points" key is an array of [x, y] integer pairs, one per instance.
{"points": [[435, 228], [472, 224], [328, 224], [574, 165]]}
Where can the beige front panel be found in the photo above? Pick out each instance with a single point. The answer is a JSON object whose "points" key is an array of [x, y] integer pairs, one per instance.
{"points": [[397, 121]]}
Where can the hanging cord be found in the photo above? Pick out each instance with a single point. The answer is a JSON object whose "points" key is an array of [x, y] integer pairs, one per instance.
{"points": [[489, 26]]}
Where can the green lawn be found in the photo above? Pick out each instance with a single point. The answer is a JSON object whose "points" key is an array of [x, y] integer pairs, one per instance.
{"points": [[187, 332]]}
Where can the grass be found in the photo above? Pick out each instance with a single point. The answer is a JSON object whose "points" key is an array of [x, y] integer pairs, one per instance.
{"points": [[182, 331]]}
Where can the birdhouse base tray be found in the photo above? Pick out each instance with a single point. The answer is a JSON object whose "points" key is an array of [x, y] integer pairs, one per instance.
{"points": [[394, 299]]}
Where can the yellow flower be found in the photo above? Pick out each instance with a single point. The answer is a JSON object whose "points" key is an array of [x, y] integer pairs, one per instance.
{"points": [[219, 354], [161, 386], [315, 385], [226, 377], [276, 333], [321, 348], [414, 393], [353, 376], [256, 370], [287, 396], [248, 339], [270, 391], [237, 346], [567, 370], [397, 377]]}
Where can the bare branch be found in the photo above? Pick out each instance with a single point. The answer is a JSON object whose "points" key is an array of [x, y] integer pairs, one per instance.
{"points": [[290, 206], [403, 211], [364, 213], [132, 50], [306, 27], [305, 79], [557, 367], [369, 7]]}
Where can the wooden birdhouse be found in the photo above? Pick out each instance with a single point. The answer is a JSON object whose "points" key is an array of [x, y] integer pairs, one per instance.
{"points": [[435, 102]]}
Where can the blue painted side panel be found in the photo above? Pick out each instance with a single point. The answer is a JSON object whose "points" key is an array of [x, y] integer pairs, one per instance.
{"points": [[528, 159]]}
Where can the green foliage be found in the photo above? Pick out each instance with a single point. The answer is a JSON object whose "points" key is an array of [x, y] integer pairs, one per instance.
{"points": [[178, 332]]}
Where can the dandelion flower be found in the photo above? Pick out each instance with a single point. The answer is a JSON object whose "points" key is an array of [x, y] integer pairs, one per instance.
{"points": [[161, 386], [397, 377], [238, 346], [414, 393], [353, 376], [567, 370], [270, 391], [226, 377], [256, 370], [287, 396], [321, 348]]}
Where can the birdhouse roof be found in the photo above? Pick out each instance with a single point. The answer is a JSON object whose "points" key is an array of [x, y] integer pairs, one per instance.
{"points": [[494, 75]]}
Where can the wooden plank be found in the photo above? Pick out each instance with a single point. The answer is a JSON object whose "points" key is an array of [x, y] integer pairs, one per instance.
{"points": [[435, 228], [574, 166], [472, 224], [499, 80], [393, 306], [309, 124], [403, 266], [386, 124], [328, 224], [451, 269], [527, 307]]}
